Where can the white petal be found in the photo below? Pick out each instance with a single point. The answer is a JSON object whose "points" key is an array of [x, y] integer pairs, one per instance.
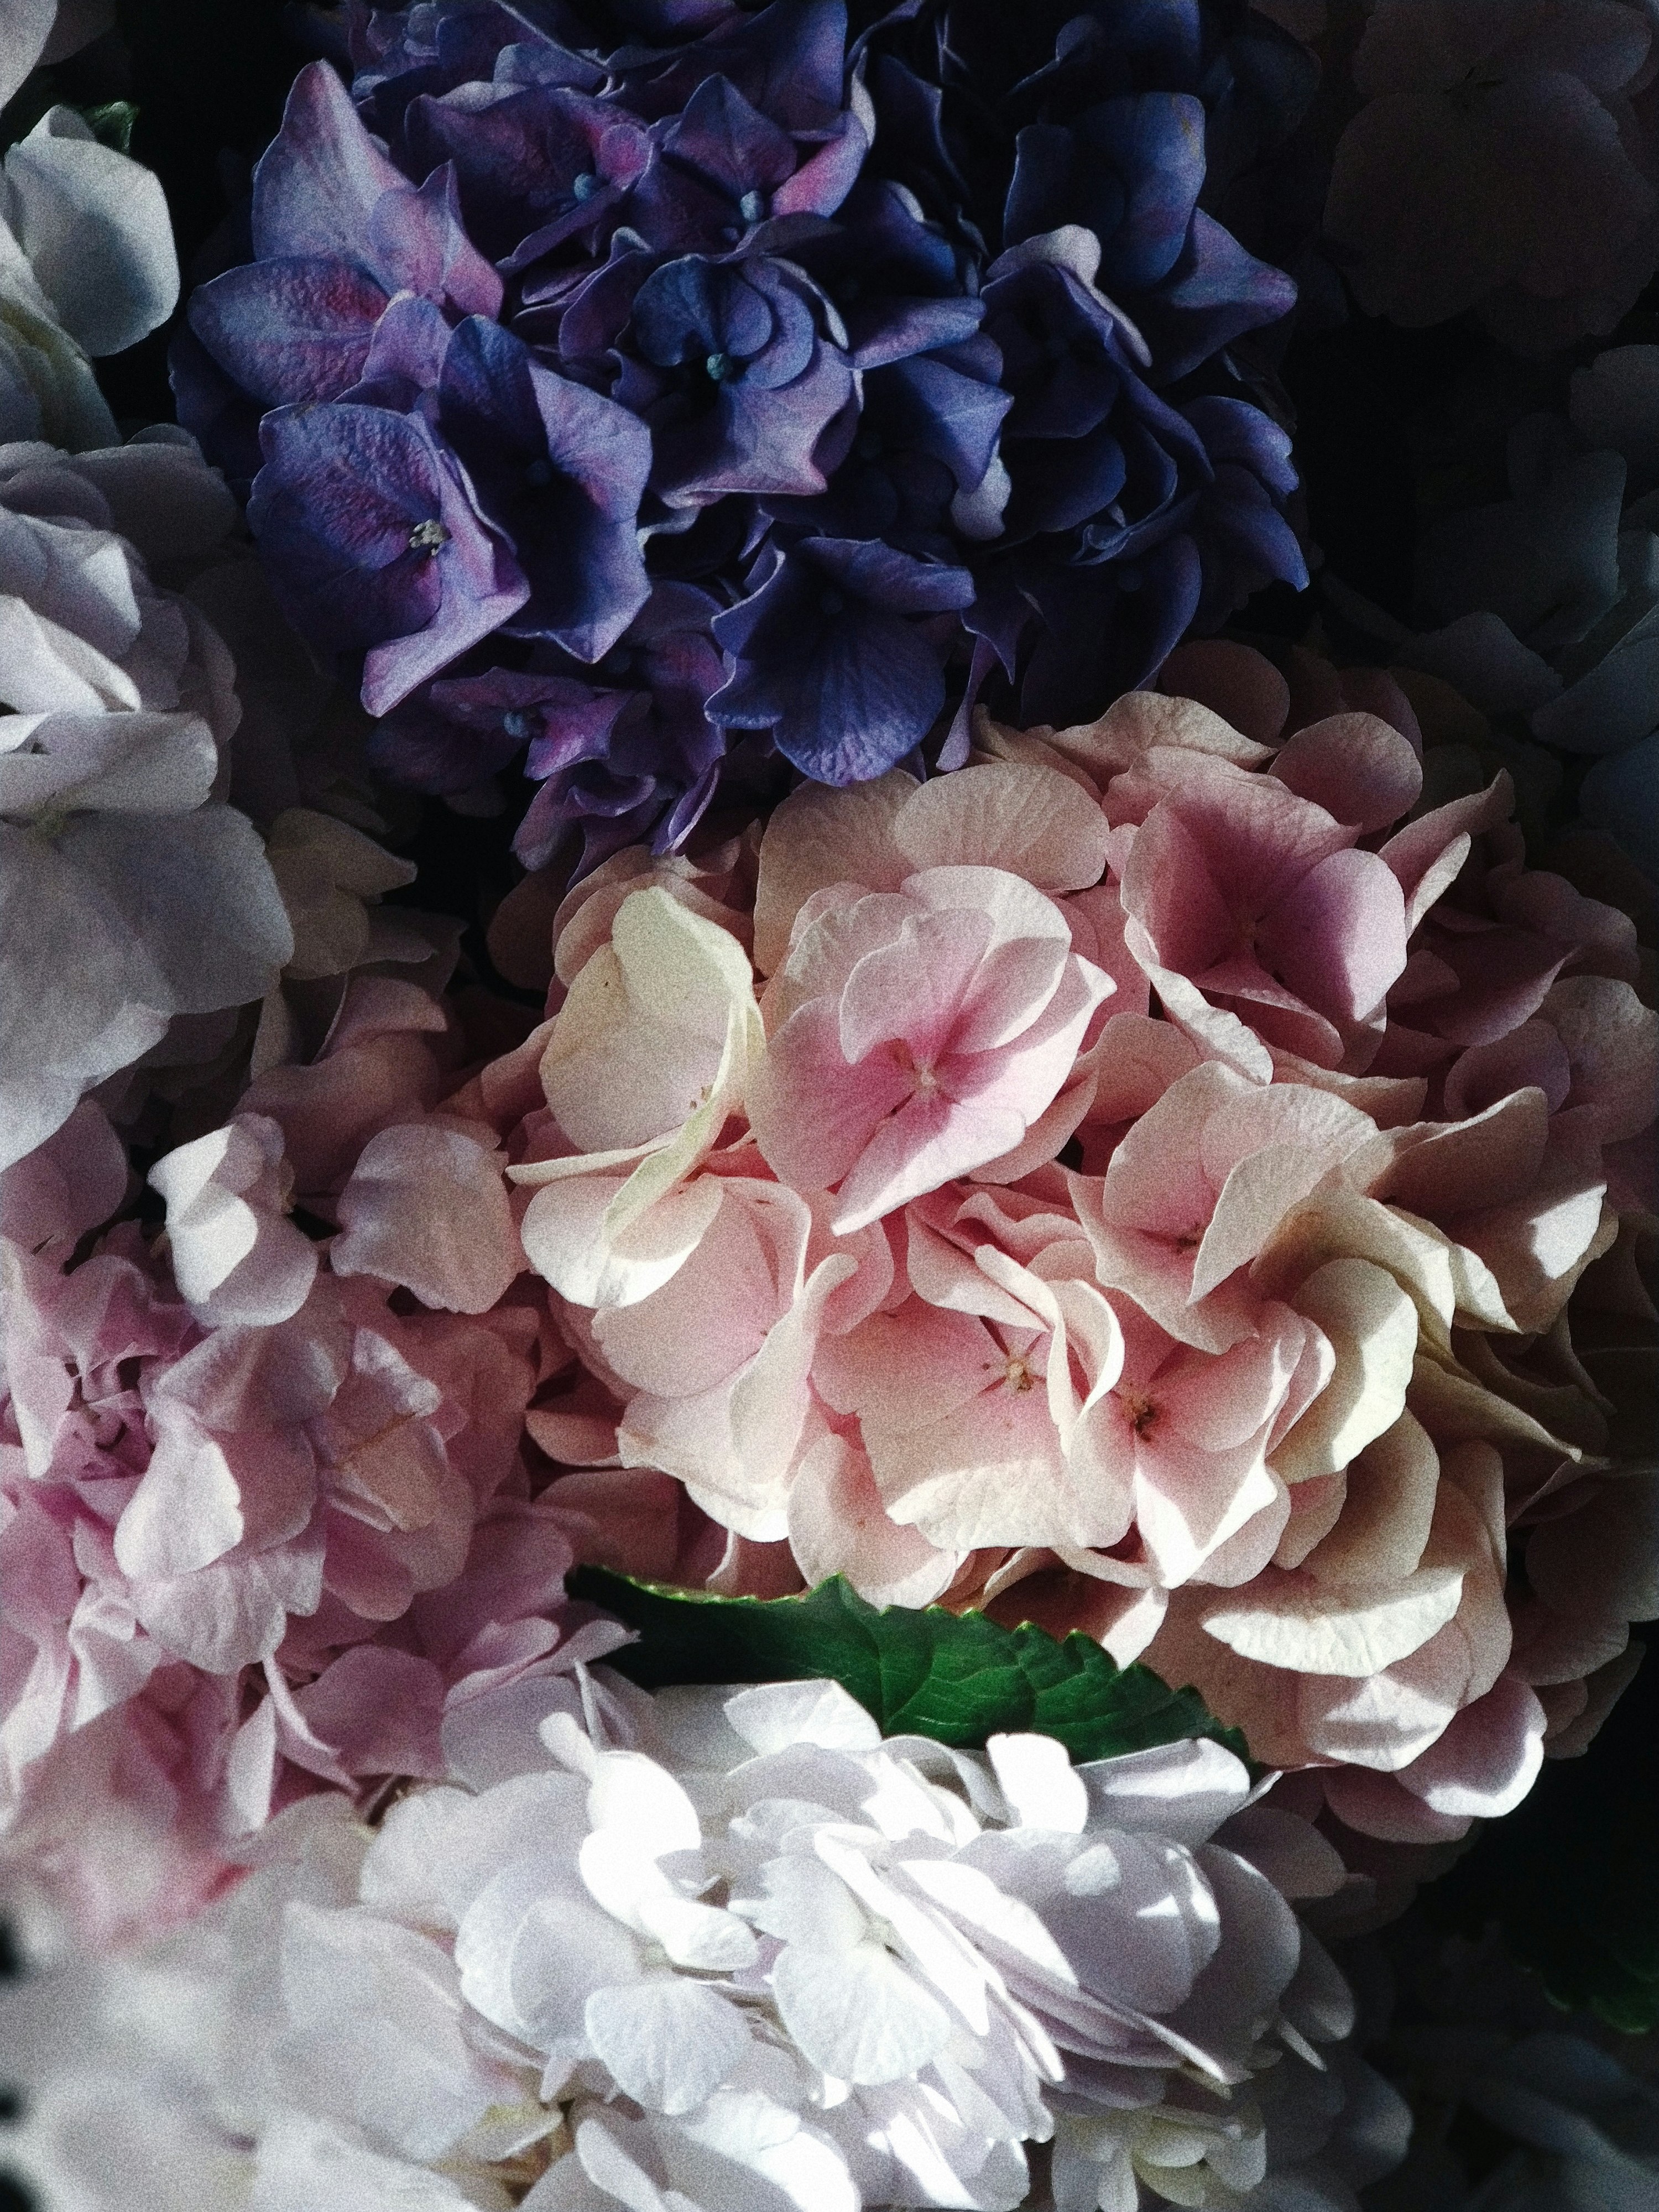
{"points": [[1041, 1783], [95, 227], [668, 2044], [746, 2130], [28, 26], [642, 1800], [776, 1714], [858, 2014], [1180, 1791], [699, 1936]]}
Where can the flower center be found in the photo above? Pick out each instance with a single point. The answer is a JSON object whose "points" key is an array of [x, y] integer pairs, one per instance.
{"points": [[1140, 1412], [719, 367], [1018, 1376], [584, 187], [428, 536]]}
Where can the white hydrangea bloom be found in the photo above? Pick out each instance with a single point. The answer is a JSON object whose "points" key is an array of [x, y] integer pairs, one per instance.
{"points": [[754, 1960], [131, 893]]}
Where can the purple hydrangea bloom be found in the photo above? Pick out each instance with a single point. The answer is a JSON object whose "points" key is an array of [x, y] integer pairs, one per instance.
{"points": [[652, 385]]}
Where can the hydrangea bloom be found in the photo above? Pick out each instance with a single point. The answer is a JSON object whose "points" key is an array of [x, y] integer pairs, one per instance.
{"points": [[1546, 605], [756, 374], [86, 266], [264, 1524], [882, 1212], [1506, 159], [731, 1951], [1570, 2110], [131, 893]]}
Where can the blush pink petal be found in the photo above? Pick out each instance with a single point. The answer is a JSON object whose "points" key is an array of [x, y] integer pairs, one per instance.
{"points": [[839, 1525], [1357, 767], [427, 1208], [1486, 1760], [1338, 938], [379, 1710], [1029, 822], [714, 1315], [1236, 683]]}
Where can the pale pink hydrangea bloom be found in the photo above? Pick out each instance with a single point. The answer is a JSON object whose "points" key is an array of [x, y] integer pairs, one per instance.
{"points": [[265, 1521], [1169, 1178], [1267, 1387]]}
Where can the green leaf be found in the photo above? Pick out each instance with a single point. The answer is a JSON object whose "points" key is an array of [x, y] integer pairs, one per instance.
{"points": [[111, 123], [958, 1678]]}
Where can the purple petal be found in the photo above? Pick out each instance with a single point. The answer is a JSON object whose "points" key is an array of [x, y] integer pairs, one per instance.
{"points": [[318, 182], [288, 329], [416, 242], [562, 470]]}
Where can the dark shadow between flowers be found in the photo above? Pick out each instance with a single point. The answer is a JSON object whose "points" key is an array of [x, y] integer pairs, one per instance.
{"points": [[1569, 1875]]}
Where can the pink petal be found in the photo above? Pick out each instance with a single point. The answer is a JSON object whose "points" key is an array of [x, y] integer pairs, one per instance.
{"points": [[1032, 822], [1356, 767], [427, 1208], [1338, 938], [1487, 1758]]}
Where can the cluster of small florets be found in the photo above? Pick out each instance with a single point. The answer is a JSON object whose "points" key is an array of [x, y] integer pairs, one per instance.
{"points": [[1155, 1180], [658, 380], [733, 1950]]}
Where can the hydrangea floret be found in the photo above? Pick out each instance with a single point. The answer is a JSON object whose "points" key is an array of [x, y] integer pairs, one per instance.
{"points": [[131, 893]]}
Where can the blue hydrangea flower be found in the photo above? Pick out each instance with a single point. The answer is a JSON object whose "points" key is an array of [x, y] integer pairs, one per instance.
{"points": [[650, 384]]}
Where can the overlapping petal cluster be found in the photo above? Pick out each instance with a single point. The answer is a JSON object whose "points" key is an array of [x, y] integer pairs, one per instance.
{"points": [[1159, 1180], [732, 1951], [1154, 1180], [1506, 159], [265, 1523], [131, 892], [637, 385]]}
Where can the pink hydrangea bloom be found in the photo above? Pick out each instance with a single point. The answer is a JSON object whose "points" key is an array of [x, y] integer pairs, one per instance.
{"points": [[1168, 1170], [265, 1520], [1176, 1177]]}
